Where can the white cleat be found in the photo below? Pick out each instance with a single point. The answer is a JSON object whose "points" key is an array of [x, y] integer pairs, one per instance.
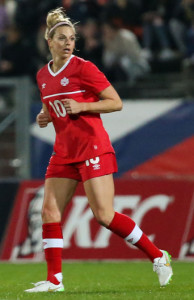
{"points": [[163, 268], [46, 286]]}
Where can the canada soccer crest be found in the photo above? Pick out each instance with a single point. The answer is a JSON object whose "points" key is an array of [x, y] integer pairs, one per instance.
{"points": [[64, 81]]}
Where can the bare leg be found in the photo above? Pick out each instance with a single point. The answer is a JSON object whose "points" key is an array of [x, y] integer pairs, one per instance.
{"points": [[100, 193], [58, 193]]}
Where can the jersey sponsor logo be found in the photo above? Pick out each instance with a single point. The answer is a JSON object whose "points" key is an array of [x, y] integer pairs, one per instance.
{"points": [[64, 81], [43, 85]]}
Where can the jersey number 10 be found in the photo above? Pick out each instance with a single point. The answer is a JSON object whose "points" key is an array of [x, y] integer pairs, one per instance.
{"points": [[58, 108]]}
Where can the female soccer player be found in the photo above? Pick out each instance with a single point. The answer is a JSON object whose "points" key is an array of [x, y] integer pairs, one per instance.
{"points": [[74, 93]]}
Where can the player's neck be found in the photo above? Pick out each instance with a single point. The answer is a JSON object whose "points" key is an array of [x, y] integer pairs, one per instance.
{"points": [[58, 64]]}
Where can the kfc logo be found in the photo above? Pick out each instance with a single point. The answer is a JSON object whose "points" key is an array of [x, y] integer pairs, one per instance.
{"points": [[80, 216], [153, 205], [78, 223]]}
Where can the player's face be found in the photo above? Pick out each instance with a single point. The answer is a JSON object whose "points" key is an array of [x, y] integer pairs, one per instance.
{"points": [[63, 42]]}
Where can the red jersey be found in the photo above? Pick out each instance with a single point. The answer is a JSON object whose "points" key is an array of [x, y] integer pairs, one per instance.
{"points": [[82, 136]]}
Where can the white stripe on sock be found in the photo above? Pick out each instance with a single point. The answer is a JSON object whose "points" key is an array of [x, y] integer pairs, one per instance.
{"points": [[52, 243], [135, 235], [59, 277]]}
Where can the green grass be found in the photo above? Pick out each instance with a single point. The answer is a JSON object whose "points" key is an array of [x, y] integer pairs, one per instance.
{"points": [[105, 281]]}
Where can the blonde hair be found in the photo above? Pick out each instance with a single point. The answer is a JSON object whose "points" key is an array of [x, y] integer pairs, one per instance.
{"points": [[57, 17]]}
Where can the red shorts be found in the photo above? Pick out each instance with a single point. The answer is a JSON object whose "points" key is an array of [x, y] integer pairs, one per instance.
{"points": [[101, 165]]}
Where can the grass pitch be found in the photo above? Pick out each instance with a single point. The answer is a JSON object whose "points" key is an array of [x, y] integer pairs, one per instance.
{"points": [[105, 281]]}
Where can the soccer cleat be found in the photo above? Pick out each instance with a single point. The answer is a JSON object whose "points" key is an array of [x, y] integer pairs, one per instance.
{"points": [[163, 268], [46, 286]]}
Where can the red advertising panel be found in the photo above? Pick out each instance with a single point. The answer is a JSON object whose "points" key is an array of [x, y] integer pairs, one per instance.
{"points": [[164, 210]]}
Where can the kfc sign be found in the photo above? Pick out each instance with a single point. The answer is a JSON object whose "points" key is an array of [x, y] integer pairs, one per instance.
{"points": [[80, 216], [163, 209]]}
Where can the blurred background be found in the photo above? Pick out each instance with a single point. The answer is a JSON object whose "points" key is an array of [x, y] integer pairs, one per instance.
{"points": [[146, 49]]}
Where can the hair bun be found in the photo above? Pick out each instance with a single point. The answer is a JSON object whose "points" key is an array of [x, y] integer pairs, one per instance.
{"points": [[54, 17]]}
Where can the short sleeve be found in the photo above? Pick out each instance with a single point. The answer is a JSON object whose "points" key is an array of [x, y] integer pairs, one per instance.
{"points": [[93, 78]]}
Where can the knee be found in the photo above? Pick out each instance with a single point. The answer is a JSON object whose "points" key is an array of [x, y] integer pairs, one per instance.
{"points": [[104, 218], [50, 215]]}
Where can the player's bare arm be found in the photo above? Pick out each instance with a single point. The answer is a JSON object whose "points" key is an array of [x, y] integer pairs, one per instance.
{"points": [[43, 118], [111, 102]]}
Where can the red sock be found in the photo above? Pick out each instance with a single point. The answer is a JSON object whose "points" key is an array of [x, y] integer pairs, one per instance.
{"points": [[126, 228], [53, 245]]}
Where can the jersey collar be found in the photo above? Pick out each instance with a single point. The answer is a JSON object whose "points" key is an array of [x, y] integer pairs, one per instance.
{"points": [[62, 68]]}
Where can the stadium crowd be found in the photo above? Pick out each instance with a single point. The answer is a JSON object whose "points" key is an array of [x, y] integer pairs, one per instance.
{"points": [[122, 37]]}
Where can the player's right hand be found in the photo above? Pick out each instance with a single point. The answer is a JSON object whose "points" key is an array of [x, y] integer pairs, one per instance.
{"points": [[43, 119]]}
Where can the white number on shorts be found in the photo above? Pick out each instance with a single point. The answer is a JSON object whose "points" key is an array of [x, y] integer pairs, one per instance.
{"points": [[58, 108], [93, 161]]}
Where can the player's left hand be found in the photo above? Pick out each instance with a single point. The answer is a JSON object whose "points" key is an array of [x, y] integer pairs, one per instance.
{"points": [[72, 106]]}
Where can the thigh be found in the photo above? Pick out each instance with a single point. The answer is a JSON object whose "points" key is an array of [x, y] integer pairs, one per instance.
{"points": [[100, 194], [58, 192]]}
